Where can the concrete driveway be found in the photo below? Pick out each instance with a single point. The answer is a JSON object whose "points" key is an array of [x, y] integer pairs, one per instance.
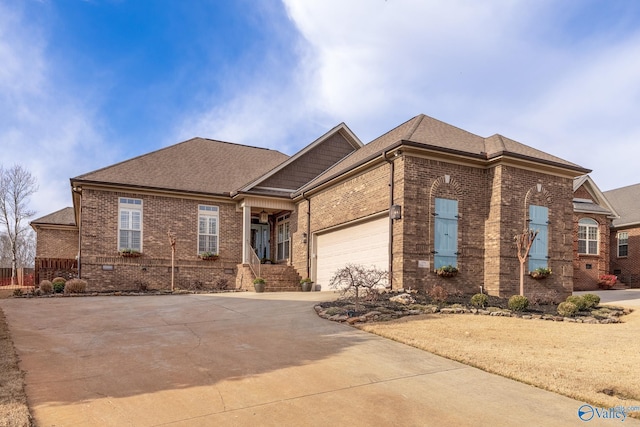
{"points": [[623, 297], [248, 359]]}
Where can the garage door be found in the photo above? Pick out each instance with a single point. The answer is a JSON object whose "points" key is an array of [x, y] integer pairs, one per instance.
{"points": [[366, 244]]}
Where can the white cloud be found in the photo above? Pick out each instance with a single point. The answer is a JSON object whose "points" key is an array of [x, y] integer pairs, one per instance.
{"points": [[41, 127]]}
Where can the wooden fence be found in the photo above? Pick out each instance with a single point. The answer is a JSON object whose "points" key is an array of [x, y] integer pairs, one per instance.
{"points": [[48, 268], [24, 277]]}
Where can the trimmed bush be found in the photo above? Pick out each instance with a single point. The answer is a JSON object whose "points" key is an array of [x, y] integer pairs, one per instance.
{"points": [[58, 287], [75, 286], [591, 300], [46, 287], [518, 303], [578, 301], [479, 300], [59, 280], [567, 309]]}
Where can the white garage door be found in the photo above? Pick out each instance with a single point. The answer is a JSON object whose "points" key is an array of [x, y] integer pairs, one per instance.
{"points": [[366, 244]]}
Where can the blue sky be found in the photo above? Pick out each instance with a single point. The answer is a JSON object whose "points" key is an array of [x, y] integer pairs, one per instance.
{"points": [[85, 84]]}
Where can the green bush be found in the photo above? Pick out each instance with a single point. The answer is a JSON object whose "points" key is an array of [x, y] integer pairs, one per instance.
{"points": [[58, 287], [591, 300], [46, 287], [518, 303], [59, 280], [580, 302], [75, 286], [479, 300], [567, 309]]}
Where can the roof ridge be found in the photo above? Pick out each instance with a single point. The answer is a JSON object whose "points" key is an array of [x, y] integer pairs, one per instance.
{"points": [[166, 148]]}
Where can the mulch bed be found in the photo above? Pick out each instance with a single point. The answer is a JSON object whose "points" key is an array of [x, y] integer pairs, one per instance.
{"points": [[381, 307]]}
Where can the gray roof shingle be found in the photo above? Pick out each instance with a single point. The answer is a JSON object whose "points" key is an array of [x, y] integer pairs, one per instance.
{"points": [[64, 216], [197, 165], [626, 201], [427, 132]]}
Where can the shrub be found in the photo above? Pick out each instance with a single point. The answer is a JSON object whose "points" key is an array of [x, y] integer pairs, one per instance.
{"points": [[479, 300], [518, 303], [438, 294], [58, 287], [591, 300], [17, 292], [46, 287], [567, 309], [59, 280], [579, 302], [75, 286]]}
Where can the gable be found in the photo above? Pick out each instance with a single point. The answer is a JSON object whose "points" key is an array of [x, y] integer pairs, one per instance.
{"points": [[587, 198]]}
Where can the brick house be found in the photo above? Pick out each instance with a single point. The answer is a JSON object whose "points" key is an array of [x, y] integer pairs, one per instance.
{"points": [[593, 215], [423, 195], [625, 234]]}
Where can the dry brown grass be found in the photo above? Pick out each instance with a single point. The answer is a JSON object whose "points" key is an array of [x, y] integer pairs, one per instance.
{"points": [[583, 361], [14, 411]]}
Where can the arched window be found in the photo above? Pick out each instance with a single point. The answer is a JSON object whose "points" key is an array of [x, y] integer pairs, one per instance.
{"points": [[588, 236]]}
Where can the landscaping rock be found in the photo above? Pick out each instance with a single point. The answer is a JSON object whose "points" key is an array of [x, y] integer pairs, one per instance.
{"points": [[404, 299]]}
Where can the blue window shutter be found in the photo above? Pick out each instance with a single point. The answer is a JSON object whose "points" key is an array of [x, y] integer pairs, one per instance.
{"points": [[539, 220], [446, 233]]}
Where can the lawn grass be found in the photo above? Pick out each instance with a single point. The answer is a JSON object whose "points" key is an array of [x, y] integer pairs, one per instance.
{"points": [[594, 363], [14, 411]]}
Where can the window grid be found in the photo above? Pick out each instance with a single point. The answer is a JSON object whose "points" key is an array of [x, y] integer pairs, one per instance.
{"points": [[587, 237], [208, 229], [623, 244], [283, 237], [130, 224]]}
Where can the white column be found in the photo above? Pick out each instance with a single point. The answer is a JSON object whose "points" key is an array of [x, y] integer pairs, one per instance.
{"points": [[246, 233]]}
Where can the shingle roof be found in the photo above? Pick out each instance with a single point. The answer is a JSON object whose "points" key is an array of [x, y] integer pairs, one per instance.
{"points": [[626, 201], [197, 165], [581, 205], [427, 132], [64, 216]]}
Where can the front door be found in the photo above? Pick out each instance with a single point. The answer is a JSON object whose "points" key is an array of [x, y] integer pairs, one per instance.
{"points": [[260, 240]]}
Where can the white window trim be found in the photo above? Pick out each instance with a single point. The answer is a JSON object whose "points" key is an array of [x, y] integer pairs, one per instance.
{"points": [[588, 224], [626, 239], [208, 211], [130, 204], [281, 221]]}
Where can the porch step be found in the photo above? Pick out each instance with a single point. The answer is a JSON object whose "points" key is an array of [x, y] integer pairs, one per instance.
{"points": [[280, 278]]}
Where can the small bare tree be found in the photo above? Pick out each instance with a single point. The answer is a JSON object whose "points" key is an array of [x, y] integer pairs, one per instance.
{"points": [[524, 242], [354, 279], [16, 186]]}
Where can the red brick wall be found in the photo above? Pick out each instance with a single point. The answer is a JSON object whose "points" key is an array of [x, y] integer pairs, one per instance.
{"points": [[99, 227], [587, 269], [57, 243], [626, 268]]}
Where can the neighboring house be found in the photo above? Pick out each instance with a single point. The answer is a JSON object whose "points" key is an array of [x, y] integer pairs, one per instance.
{"points": [[625, 234], [424, 195], [592, 220]]}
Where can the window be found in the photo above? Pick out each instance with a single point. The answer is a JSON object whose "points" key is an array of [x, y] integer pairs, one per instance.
{"points": [[207, 229], [623, 244], [587, 236], [446, 233], [130, 224], [284, 238], [539, 220]]}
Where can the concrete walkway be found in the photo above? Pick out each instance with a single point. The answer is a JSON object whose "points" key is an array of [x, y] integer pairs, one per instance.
{"points": [[622, 297], [248, 359]]}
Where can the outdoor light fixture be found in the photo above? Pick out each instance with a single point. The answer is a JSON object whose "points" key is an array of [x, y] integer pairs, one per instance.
{"points": [[395, 212], [304, 237], [264, 217]]}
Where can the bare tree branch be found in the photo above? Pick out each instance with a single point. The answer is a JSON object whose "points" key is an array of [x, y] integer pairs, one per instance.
{"points": [[16, 186]]}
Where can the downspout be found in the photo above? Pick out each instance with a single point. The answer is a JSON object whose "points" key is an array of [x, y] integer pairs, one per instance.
{"points": [[79, 254], [391, 173], [308, 234]]}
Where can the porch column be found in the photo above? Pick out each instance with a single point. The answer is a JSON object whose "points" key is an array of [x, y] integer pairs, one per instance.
{"points": [[246, 234]]}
